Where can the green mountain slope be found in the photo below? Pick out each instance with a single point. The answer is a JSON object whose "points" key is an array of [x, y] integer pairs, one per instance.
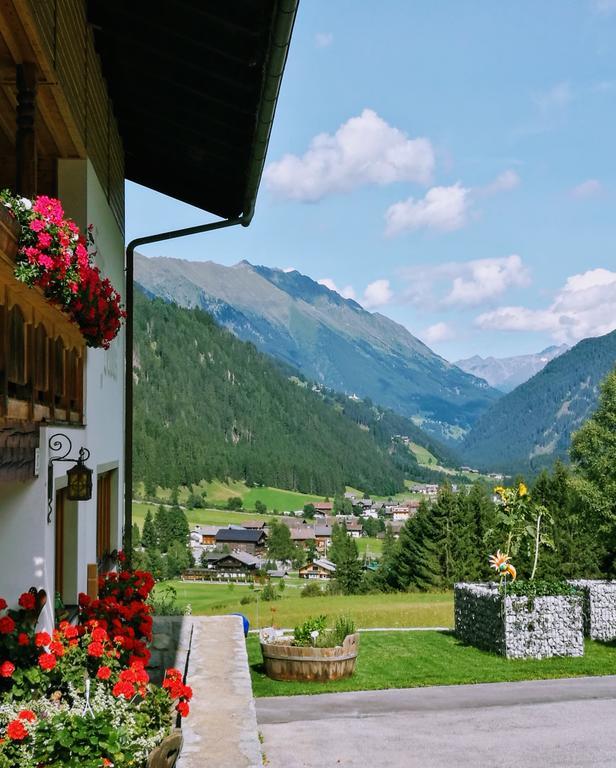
{"points": [[329, 339], [530, 427], [207, 405]]}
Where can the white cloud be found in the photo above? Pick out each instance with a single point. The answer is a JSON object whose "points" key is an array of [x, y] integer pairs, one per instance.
{"points": [[323, 39], [377, 294], [442, 208], [588, 188], [364, 150], [553, 100], [437, 332], [464, 283], [483, 279], [585, 306], [502, 183], [347, 292]]}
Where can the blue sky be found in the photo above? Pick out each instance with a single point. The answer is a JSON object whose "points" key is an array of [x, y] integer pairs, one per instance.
{"points": [[449, 164]]}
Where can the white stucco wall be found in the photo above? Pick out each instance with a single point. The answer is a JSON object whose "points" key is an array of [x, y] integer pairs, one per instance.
{"points": [[27, 542]]}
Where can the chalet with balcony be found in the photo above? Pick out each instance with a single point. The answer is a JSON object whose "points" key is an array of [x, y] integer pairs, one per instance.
{"points": [[176, 97], [318, 569]]}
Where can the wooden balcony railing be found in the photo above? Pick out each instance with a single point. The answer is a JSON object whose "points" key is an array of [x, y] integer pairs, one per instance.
{"points": [[42, 353]]}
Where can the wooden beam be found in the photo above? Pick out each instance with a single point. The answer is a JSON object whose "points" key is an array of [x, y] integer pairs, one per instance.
{"points": [[26, 177]]}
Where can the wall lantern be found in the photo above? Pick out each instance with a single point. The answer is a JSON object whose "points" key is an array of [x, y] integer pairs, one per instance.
{"points": [[79, 475]]}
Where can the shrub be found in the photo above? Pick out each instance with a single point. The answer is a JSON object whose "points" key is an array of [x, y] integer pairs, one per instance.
{"points": [[246, 599], [539, 588], [269, 593], [163, 602], [344, 626], [312, 589], [302, 633]]}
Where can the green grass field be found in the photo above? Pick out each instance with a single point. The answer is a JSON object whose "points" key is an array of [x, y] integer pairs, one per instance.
{"points": [[380, 610], [423, 455], [274, 498], [374, 546], [414, 659], [218, 492], [201, 516]]}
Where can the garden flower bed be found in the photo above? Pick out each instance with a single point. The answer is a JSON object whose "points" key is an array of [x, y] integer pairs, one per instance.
{"points": [[81, 696]]}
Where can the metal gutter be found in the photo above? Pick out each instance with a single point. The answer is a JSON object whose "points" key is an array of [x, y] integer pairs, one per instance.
{"points": [[273, 71]]}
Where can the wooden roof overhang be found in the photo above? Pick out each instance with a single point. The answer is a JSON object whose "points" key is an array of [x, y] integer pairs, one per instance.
{"points": [[194, 85]]}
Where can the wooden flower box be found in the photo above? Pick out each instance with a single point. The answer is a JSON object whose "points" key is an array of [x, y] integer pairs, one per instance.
{"points": [[284, 661], [9, 235]]}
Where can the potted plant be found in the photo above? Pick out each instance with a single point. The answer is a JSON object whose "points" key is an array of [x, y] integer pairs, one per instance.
{"points": [[314, 652]]}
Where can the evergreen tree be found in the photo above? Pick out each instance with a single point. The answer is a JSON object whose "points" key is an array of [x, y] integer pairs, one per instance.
{"points": [[136, 535], [156, 564], [161, 526], [346, 557], [260, 507], [178, 559], [177, 526], [311, 551], [417, 563], [148, 537], [279, 544]]}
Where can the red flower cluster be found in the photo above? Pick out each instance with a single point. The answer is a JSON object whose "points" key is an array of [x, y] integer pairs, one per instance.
{"points": [[176, 689], [122, 611], [16, 730], [54, 256], [132, 681]]}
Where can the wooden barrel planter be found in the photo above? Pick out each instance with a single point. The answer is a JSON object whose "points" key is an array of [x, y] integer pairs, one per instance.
{"points": [[167, 752], [291, 662]]}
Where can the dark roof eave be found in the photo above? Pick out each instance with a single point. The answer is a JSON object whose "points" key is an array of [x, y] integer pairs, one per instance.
{"points": [[282, 31]]}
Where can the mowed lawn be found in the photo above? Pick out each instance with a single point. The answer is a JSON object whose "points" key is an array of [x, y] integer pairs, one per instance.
{"points": [[380, 610], [367, 544], [415, 659]]}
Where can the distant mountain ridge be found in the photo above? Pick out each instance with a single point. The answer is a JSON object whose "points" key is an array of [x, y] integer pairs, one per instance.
{"points": [[507, 373], [329, 339], [532, 426]]}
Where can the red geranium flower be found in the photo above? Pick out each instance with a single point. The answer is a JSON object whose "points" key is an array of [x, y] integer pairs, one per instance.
{"points": [[7, 625], [103, 673], [2, 603], [27, 714], [16, 730], [23, 639], [42, 639], [6, 669], [124, 689], [183, 708], [95, 649], [47, 661]]}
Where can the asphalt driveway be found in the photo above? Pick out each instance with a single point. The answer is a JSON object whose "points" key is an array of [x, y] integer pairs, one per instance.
{"points": [[541, 724]]}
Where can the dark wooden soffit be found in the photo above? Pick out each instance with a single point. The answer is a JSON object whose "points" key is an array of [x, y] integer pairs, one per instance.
{"points": [[18, 442], [194, 85]]}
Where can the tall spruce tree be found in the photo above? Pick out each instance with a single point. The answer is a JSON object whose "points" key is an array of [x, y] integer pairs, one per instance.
{"points": [[177, 526], [345, 555], [148, 537], [161, 526], [416, 563]]}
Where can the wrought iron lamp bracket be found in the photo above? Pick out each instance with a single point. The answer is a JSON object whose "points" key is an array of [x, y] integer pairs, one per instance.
{"points": [[62, 444]]}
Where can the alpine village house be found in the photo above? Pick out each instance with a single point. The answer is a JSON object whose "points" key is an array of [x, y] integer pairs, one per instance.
{"points": [[179, 97]]}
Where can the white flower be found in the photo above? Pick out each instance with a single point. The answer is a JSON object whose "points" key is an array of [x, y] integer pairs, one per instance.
{"points": [[26, 203], [314, 634]]}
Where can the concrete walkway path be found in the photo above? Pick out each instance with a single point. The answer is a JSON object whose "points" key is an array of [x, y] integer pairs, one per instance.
{"points": [[536, 724], [221, 731]]}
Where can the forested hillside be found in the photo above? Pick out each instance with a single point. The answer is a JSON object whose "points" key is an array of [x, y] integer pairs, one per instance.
{"points": [[531, 427], [210, 406]]}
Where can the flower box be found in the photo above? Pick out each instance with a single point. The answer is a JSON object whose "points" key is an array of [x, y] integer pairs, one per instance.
{"points": [[284, 661], [518, 627], [9, 236]]}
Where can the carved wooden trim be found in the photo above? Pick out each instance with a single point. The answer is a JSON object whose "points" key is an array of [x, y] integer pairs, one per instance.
{"points": [[18, 442]]}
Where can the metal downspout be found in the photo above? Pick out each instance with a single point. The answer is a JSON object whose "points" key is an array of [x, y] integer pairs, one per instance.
{"points": [[127, 544]]}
